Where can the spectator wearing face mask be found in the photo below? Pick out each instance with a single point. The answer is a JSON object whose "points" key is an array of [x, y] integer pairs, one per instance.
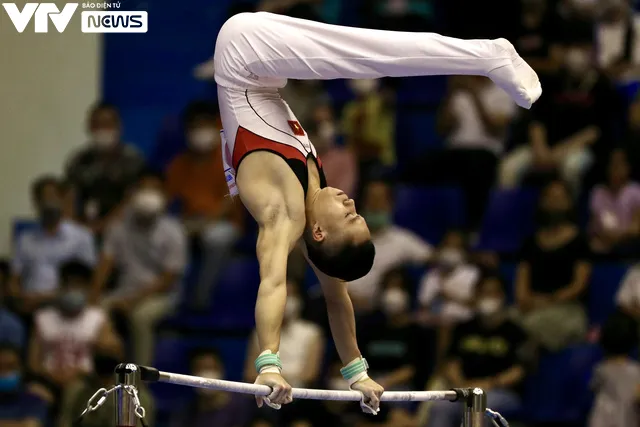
{"points": [[395, 246], [615, 209], [40, 252], [61, 347], [301, 344], [211, 407], [339, 163], [446, 291], [368, 124], [390, 339], [101, 173], [553, 273], [195, 179], [149, 250], [569, 125], [485, 352], [107, 355], [18, 407]]}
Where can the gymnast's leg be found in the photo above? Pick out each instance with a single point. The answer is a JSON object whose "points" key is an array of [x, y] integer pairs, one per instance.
{"points": [[264, 47]]}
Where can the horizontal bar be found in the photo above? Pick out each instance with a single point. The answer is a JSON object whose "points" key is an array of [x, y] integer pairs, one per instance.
{"points": [[302, 393]]}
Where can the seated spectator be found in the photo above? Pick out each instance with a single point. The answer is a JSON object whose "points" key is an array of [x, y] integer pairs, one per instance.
{"points": [[303, 97], [101, 173], [390, 339], [395, 246], [474, 120], [536, 39], [616, 380], [108, 354], [301, 345], [569, 125], [18, 407], [339, 163], [61, 346], [615, 209], [618, 40], [40, 252], [368, 123], [212, 407], [628, 295], [553, 273], [485, 352], [149, 250], [195, 179], [446, 291]]}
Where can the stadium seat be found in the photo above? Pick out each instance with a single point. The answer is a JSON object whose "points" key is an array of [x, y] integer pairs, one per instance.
{"points": [[508, 220], [558, 392], [604, 284], [429, 211]]}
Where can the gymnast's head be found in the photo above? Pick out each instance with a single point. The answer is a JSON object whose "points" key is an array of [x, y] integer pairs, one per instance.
{"points": [[337, 238]]}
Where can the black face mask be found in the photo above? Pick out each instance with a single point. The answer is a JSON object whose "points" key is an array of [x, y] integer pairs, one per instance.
{"points": [[104, 364], [548, 219], [50, 215]]}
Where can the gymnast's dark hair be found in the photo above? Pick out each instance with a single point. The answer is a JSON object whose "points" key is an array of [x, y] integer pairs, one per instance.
{"points": [[351, 262]]}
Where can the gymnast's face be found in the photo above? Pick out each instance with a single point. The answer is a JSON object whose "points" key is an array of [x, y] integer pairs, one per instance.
{"points": [[335, 220]]}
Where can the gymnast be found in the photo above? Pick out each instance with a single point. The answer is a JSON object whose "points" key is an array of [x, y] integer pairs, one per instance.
{"points": [[274, 168]]}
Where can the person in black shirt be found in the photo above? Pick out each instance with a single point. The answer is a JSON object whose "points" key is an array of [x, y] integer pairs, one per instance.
{"points": [[485, 352], [553, 273], [569, 127]]}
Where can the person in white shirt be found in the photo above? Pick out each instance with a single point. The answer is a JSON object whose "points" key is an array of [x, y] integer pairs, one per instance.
{"points": [[395, 246], [62, 345], [617, 36]]}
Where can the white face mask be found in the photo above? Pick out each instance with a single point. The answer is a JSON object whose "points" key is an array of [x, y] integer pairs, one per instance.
{"points": [[293, 308], [577, 61], [327, 131], [451, 257], [364, 86], [204, 139], [105, 138], [148, 201], [394, 301], [489, 306]]}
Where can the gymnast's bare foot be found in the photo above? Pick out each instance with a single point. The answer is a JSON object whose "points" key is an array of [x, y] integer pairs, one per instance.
{"points": [[517, 79]]}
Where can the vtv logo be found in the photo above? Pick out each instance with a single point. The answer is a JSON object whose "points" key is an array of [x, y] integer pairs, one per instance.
{"points": [[42, 11]]}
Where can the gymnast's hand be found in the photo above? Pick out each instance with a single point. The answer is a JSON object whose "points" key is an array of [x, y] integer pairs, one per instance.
{"points": [[280, 390], [371, 392]]}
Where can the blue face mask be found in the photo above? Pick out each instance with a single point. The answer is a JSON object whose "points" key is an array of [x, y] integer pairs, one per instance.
{"points": [[9, 382]]}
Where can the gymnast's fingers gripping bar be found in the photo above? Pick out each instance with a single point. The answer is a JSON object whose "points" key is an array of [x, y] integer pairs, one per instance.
{"points": [[473, 400]]}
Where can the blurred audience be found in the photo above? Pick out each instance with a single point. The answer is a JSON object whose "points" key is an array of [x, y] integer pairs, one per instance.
{"points": [[628, 295], [618, 40], [615, 209], [195, 180], [368, 124], [400, 15], [485, 352], [302, 344], [18, 406], [304, 97], [474, 119], [107, 355], [101, 173], [390, 338], [631, 139], [395, 246], [616, 380], [41, 251], [12, 330], [339, 163], [149, 250], [553, 274], [61, 346], [536, 39], [212, 407], [568, 125], [446, 291], [303, 9]]}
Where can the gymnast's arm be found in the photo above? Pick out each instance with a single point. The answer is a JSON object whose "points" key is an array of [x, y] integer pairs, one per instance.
{"points": [[340, 313]]}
